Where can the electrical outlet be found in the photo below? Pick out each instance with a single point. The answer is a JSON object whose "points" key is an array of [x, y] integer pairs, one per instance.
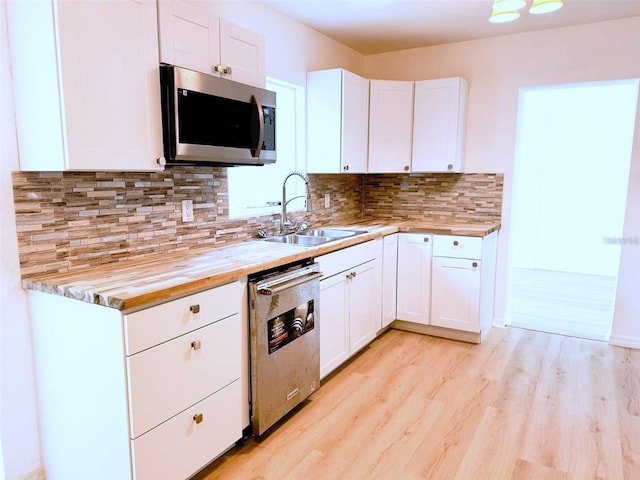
{"points": [[187, 210], [327, 200]]}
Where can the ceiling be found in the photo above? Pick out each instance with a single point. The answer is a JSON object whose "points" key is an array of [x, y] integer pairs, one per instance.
{"points": [[375, 26]]}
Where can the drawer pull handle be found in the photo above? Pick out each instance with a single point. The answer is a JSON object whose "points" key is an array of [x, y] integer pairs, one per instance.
{"points": [[198, 417], [455, 243], [196, 344], [474, 264], [195, 308]]}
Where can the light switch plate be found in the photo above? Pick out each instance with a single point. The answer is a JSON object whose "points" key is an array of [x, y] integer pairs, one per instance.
{"points": [[187, 210]]}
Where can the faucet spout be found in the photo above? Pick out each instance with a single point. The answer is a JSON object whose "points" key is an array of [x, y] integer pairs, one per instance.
{"points": [[285, 224]]}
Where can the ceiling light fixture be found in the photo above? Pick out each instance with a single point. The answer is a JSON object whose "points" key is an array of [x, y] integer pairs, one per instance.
{"points": [[507, 10]]}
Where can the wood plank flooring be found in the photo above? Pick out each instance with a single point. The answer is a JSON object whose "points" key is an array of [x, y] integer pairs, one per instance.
{"points": [[562, 302], [522, 405]]}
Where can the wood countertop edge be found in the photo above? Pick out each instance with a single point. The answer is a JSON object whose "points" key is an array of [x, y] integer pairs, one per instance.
{"points": [[279, 254]]}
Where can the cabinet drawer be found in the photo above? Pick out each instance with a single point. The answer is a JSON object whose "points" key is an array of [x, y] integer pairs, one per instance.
{"points": [[166, 379], [341, 260], [457, 246], [158, 324], [180, 447]]}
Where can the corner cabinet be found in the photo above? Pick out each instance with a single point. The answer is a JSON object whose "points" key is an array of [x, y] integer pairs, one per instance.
{"points": [[337, 122], [194, 37], [122, 396], [349, 301], [390, 126], [86, 86], [414, 277], [439, 121]]}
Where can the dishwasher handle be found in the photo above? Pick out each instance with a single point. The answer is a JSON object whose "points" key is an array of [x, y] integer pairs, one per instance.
{"points": [[276, 285]]}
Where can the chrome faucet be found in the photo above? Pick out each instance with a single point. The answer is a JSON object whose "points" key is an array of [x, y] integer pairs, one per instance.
{"points": [[285, 223]]}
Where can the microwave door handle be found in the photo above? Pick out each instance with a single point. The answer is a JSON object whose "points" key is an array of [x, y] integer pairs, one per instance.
{"points": [[256, 101]]}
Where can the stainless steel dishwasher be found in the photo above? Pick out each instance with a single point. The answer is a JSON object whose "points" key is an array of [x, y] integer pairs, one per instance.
{"points": [[285, 340]]}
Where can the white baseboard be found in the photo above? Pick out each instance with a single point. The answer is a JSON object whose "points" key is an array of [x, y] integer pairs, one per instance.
{"points": [[627, 341]]}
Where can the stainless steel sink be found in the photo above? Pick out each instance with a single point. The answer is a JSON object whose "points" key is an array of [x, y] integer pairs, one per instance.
{"points": [[332, 233], [314, 236], [302, 240]]}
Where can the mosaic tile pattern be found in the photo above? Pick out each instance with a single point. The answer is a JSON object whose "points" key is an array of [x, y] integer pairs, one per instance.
{"points": [[71, 220], [438, 197]]}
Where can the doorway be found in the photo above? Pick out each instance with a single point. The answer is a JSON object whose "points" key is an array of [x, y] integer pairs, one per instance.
{"points": [[573, 154]]}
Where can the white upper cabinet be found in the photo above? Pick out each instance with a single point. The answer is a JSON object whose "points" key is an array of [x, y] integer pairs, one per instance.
{"points": [[439, 120], [194, 37], [337, 122], [390, 126], [86, 84]]}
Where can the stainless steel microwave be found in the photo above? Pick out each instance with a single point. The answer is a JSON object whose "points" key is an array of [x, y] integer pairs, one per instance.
{"points": [[208, 120]]}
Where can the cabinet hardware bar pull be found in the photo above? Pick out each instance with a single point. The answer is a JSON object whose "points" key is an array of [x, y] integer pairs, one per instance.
{"points": [[198, 417], [196, 344], [195, 308]]}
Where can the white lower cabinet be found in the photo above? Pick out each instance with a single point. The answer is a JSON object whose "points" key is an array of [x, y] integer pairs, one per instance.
{"points": [[463, 278], [456, 293], [350, 302], [446, 282], [414, 277], [154, 394]]}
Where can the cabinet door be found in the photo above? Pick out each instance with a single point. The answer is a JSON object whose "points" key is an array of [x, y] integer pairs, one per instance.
{"points": [[439, 121], [337, 122], [86, 87], [243, 52], [390, 126], [189, 35], [414, 277], [362, 298], [355, 123], [334, 326], [456, 293], [109, 62], [389, 278]]}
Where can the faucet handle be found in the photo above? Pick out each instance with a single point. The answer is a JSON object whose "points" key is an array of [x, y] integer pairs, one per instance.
{"points": [[302, 226], [261, 233]]}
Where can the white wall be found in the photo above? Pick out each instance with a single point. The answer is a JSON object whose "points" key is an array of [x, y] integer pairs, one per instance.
{"points": [[18, 418], [496, 69]]}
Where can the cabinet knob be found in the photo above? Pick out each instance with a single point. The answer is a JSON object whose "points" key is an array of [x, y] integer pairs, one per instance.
{"points": [[474, 264], [455, 243], [425, 239], [195, 308], [449, 167], [222, 69], [196, 344], [198, 417], [162, 161], [406, 168]]}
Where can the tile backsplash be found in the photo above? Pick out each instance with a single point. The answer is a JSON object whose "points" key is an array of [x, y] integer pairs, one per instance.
{"points": [[73, 220]]}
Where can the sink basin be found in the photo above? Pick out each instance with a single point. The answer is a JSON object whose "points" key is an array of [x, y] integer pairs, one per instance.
{"points": [[332, 233], [314, 236], [302, 240]]}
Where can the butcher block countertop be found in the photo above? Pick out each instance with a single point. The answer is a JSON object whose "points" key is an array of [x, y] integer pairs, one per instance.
{"points": [[138, 283]]}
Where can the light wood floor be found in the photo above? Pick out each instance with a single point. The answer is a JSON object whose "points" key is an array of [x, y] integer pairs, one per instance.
{"points": [[562, 302], [523, 405]]}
